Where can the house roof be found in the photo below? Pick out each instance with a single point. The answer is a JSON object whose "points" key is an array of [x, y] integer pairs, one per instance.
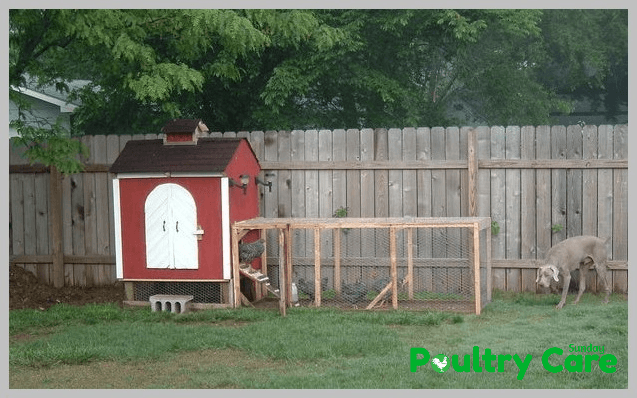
{"points": [[147, 156]]}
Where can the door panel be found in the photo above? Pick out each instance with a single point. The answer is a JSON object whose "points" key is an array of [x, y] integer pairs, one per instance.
{"points": [[171, 220]]}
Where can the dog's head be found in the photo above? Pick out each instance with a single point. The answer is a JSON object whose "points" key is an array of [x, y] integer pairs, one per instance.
{"points": [[545, 273]]}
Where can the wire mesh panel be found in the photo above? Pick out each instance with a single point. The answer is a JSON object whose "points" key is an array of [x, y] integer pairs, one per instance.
{"points": [[202, 292], [382, 263]]}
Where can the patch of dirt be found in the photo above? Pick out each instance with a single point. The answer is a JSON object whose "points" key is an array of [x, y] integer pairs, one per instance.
{"points": [[26, 291]]}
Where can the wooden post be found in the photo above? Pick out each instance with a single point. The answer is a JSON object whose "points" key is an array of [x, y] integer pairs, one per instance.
{"points": [[476, 266], [488, 261], [317, 267], [393, 272], [282, 278], [288, 266], [337, 261], [56, 227], [410, 263], [235, 269], [264, 263], [473, 172]]}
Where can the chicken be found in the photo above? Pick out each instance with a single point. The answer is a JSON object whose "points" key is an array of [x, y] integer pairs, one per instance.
{"points": [[249, 251], [354, 293], [307, 287]]}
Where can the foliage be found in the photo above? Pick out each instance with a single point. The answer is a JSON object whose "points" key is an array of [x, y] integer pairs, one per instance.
{"points": [[268, 69], [495, 228], [557, 227]]}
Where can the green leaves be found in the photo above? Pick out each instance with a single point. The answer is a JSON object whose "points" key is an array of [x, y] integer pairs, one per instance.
{"points": [[50, 147]]}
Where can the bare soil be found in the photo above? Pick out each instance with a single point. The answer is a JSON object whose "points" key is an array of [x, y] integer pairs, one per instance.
{"points": [[26, 291]]}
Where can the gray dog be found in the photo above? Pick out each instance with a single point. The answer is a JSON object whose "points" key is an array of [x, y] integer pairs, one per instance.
{"points": [[570, 254]]}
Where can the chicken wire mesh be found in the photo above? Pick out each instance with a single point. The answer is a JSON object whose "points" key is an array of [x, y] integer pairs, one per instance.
{"points": [[202, 292], [434, 267]]}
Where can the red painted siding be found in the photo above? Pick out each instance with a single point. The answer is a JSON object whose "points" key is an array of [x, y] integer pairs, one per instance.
{"points": [[207, 195], [174, 137], [244, 206]]}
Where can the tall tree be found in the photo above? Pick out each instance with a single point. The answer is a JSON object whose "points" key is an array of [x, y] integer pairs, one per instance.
{"points": [[284, 69], [145, 66]]}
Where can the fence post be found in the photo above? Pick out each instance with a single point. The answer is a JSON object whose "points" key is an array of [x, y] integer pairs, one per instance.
{"points": [[56, 228], [472, 160]]}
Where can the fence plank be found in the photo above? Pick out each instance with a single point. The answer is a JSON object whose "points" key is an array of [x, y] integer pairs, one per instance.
{"points": [[367, 183], [498, 205], [353, 190], [543, 192], [528, 232], [589, 194], [620, 196], [439, 206], [558, 185], [271, 199], [89, 213], [297, 190], [325, 195], [513, 207], [452, 195], [102, 211], [43, 246], [574, 144], [30, 246], [311, 186]]}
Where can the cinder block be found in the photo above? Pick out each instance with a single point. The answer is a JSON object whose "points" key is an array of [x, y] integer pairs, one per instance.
{"points": [[170, 302]]}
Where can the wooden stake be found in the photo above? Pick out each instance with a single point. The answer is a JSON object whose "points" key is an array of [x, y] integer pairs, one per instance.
{"points": [[476, 267], [337, 260], [317, 267], [282, 279], [393, 271], [410, 263], [235, 268]]}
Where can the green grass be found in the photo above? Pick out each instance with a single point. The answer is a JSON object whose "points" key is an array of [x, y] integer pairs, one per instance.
{"points": [[103, 346]]}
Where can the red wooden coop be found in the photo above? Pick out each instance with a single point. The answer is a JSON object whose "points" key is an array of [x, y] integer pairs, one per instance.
{"points": [[174, 202]]}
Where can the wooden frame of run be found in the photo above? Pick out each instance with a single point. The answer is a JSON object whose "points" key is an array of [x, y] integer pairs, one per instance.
{"points": [[285, 225]]}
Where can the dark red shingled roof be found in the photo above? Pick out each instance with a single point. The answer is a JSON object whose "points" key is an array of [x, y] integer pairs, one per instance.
{"points": [[147, 156], [181, 126]]}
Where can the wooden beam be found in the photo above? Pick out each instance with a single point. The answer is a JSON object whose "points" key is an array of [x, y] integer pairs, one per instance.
{"points": [[282, 278], [476, 268], [317, 267], [449, 164], [393, 273]]}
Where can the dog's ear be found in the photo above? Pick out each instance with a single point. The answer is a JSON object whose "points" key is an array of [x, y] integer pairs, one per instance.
{"points": [[555, 272], [539, 272]]}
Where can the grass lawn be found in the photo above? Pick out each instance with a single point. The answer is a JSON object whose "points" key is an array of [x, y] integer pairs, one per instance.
{"points": [[103, 346]]}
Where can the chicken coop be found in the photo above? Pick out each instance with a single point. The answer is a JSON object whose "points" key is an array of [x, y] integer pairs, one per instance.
{"points": [[174, 202], [354, 263]]}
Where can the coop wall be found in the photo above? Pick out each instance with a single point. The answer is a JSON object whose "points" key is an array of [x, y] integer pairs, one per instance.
{"points": [[434, 267]]}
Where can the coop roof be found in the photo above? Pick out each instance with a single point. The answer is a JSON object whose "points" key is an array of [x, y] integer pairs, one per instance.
{"points": [[147, 156]]}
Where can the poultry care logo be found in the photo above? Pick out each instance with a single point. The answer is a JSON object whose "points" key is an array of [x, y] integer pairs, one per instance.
{"points": [[581, 360]]}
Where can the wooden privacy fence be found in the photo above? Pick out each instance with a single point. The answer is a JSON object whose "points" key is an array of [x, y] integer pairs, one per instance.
{"points": [[539, 185]]}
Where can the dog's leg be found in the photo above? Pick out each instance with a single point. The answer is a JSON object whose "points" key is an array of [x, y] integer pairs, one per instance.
{"points": [[603, 273], [583, 271], [567, 282]]}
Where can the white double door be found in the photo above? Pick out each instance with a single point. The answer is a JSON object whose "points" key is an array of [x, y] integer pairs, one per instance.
{"points": [[171, 228]]}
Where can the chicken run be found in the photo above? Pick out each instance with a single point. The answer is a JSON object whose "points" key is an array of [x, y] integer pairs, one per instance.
{"points": [[410, 263]]}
